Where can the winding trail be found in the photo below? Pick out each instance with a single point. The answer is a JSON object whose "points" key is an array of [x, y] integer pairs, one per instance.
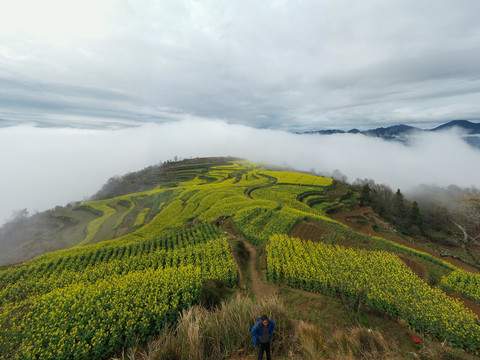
{"points": [[260, 288]]}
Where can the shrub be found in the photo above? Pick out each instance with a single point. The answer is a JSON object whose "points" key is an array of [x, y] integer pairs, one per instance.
{"points": [[213, 293]]}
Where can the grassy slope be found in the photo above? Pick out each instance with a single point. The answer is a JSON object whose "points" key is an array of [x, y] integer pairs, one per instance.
{"points": [[64, 227], [47, 231], [213, 189]]}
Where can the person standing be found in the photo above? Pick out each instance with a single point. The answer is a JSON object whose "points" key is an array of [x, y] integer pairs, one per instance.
{"points": [[262, 334]]}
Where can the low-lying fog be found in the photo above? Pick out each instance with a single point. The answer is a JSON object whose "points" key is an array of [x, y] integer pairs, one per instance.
{"points": [[45, 167]]}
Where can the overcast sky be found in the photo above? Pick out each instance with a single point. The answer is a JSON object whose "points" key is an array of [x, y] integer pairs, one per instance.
{"points": [[95, 88], [293, 65]]}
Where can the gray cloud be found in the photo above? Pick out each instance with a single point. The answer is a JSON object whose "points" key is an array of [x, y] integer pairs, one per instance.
{"points": [[273, 64], [45, 167]]}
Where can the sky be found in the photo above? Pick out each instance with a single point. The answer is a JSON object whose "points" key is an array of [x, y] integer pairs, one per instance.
{"points": [[96, 88], [276, 64]]}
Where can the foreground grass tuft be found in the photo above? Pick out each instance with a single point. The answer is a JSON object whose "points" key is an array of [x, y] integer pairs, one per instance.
{"points": [[224, 333], [202, 334]]}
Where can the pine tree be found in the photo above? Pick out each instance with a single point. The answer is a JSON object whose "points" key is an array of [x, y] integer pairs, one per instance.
{"points": [[365, 198], [416, 217], [399, 208]]}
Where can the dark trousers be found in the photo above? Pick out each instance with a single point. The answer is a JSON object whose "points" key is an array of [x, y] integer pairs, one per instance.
{"points": [[264, 347]]}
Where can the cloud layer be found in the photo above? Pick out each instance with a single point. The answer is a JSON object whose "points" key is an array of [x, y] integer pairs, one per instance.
{"points": [[45, 167], [280, 64]]}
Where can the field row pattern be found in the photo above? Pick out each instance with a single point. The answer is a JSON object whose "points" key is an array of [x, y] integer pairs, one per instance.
{"points": [[464, 282], [88, 309], [17, 283], [381, 278], [95, 320], [286, 177]]}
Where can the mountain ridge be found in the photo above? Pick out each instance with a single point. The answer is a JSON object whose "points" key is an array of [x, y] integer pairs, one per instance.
{"points": [[401, 129], [470, 131]]}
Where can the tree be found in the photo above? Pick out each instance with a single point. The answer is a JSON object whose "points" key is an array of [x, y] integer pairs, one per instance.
{"points": [[382, 196], [365, 195], [415, 219], [440, 217], [467, 220], [337, 175], [19, 216], [399, 208]]}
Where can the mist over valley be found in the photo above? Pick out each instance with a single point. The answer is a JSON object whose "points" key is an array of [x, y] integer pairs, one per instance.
{"points": [[46, 167]]}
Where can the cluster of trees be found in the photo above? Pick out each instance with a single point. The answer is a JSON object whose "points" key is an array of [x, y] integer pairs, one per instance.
{"points": [[455, 223], [151, 176], [393, 207], [132, 182]]}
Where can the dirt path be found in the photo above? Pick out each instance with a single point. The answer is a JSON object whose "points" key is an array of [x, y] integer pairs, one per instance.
{"points": [[260, 288]]}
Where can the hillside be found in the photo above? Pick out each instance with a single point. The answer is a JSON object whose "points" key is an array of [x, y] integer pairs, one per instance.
{"points": [[222, 226], [125, 197]]}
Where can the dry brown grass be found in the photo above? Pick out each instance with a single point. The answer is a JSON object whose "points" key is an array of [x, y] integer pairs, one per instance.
{"points": [[434, 350], [310, 340], [219, 334], [360, 343], [224, 333]]}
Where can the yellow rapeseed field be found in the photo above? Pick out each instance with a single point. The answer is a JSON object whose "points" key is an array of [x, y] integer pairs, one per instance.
{"points": [[384, 281]]}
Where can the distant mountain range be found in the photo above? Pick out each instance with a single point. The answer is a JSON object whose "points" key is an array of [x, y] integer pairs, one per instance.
{"points": [[470, 131]]}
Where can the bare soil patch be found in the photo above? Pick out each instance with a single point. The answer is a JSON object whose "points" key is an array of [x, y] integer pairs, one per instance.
{"points": [[416, 267], [361, 220], [308, 231], [472, 305], [122, 231]]}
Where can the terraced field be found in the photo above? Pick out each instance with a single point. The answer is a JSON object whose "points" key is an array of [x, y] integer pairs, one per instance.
{"points": [[144, 256], [89, 304]]}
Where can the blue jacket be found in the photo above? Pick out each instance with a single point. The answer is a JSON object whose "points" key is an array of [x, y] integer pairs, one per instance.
{"points": [[257, 329]]}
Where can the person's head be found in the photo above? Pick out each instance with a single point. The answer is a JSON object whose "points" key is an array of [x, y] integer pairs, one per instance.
{"points": [[265, 320]]}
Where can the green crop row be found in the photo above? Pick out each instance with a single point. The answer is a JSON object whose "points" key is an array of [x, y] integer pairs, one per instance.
{"points": [[287, 177], [94, 225], [464, 282], [95, 320], [16, 283], [141, 218], [378, 278], [88, 305]]}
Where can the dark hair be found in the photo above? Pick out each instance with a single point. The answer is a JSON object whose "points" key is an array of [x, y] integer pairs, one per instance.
{"points": [[264, 317]]}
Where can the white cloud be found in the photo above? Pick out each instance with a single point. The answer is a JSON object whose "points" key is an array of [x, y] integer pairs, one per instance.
{"points": [[54, 21], [308, 65], [44, 167]]}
